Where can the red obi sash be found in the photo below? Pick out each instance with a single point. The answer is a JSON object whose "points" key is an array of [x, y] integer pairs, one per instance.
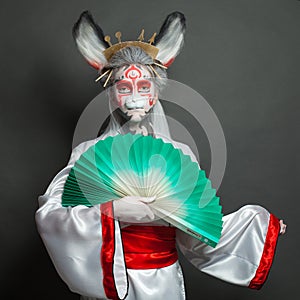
{"points": [[149, 247], [144, 247]]}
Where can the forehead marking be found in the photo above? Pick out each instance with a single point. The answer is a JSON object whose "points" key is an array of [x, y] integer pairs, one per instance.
{"points": [[133, 72]]}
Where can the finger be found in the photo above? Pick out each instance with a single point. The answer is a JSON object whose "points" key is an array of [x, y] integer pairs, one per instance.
{"points": [[282, 227], [280, 223], [144, 216], [149, 213], [147, 199]]}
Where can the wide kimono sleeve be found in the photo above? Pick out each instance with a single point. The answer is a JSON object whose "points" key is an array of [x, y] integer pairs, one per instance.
{"points": [[72, 235], [245, 251]]}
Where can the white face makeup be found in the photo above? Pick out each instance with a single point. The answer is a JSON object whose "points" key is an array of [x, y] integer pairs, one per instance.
{"points": [[134, 92]]}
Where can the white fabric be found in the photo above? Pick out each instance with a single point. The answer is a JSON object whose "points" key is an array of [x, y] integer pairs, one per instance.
{"points": [[237, 255], [133, 209], [119, 268], [234, 260], [72, 236], [73, 239], [154, 284]]}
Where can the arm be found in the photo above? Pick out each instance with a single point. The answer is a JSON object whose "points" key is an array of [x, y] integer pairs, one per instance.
{"points": [[245, 252], [74, 236]]}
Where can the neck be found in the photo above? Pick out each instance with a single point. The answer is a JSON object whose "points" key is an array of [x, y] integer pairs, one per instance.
{"points": [[143, 127], [137, 128]]}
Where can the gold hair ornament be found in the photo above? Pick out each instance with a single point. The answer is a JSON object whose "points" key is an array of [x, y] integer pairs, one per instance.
{"points": [[102, 75], [147, 47], [160, 65], [154, 71], [108, 77]]}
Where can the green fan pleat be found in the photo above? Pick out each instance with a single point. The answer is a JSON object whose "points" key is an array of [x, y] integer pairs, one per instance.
{"points": [[137, 165]]}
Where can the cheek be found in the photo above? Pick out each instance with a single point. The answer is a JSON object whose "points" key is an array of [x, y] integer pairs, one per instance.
{"points": [[120, 99], [150, 97], [151, 100]]}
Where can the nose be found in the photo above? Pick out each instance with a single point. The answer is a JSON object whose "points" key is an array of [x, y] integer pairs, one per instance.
{"points": [[135, 96], [135, 101]]}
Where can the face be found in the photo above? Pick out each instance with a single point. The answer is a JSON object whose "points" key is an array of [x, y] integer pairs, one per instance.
{"points": [[134, 92]]}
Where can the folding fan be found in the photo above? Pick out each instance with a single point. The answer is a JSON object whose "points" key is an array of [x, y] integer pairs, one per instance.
{"points": [[137, 165]]}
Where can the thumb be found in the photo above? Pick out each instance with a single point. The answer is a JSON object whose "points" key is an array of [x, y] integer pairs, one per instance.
{"points": [[147, 199]]}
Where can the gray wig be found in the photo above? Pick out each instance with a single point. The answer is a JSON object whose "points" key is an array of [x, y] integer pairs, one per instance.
{"points": [[91, 42], [136, 55]]}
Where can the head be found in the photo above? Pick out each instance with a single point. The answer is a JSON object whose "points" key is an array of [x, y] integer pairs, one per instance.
{"points": [[132, 75], [133, 91], [134, 86]]}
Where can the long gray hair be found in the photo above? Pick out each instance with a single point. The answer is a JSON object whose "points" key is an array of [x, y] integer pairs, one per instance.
{"points": [[156, 118], [136, 55], [91, 43]]}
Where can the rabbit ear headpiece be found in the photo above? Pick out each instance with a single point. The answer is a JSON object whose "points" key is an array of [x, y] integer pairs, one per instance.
{"points": [[97, 48]]}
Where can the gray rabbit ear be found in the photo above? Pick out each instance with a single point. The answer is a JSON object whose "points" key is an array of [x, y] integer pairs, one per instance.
{"points": [[90, 41], [169, 41]]}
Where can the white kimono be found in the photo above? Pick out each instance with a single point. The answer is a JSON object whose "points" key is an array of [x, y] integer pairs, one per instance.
{"points": [[73, 238]]}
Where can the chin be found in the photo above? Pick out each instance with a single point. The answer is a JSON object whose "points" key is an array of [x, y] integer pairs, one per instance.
{"points": [[137, 116]]}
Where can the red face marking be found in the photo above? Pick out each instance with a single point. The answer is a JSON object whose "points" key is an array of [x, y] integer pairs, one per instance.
{"points": [[133, 73], [124, 87], [143, 86], [135, 93]]}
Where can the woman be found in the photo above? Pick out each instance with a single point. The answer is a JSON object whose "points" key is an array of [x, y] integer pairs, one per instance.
{"points": [[119, 250]]}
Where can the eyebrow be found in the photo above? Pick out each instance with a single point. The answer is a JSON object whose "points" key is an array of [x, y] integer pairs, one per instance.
{"points": [[125, 83], [120, 79], [144, 81]]}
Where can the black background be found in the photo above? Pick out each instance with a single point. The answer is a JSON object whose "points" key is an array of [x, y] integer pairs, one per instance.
{"points": [[241, 56]]}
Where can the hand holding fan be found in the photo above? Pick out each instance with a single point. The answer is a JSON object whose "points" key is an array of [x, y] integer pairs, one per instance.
{"points": [[137, 165]]}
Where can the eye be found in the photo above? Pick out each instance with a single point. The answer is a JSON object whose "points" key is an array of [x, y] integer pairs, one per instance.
{"points": [[144, 89], [144, 86], [124, 89]]}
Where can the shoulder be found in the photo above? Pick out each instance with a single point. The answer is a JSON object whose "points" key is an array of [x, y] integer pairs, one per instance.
{"points": [[81, 148], [185, 150], [183, 147]]}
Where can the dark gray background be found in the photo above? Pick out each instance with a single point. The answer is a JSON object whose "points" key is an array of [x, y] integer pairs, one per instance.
{"points": [[242, 56]]}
